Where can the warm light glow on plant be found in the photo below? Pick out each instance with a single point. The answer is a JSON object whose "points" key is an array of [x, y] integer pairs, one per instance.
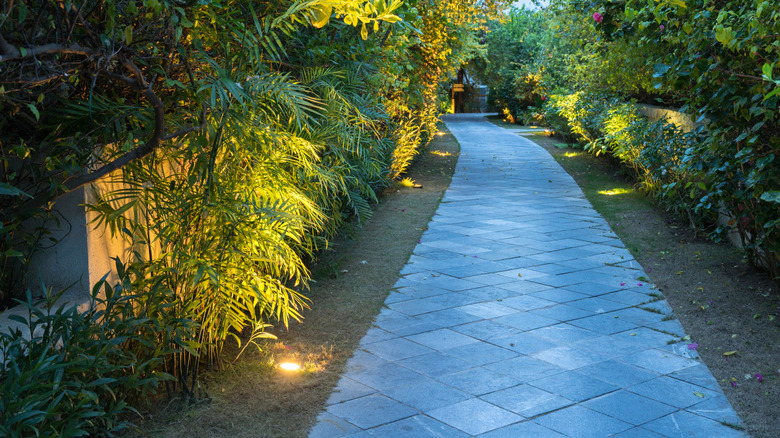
{"points": [[441, 153], [407, 182], [289, 366], [612, 192], [572, 154]]}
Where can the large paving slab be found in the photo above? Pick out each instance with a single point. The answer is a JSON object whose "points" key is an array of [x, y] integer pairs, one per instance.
{"points": [[522, 314]]}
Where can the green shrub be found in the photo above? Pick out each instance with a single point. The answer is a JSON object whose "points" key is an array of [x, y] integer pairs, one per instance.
{"points": [[67, 373], [657, 154]]}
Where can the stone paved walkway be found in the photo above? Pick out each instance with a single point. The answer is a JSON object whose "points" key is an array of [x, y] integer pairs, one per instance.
{"points": [[521, 314]]}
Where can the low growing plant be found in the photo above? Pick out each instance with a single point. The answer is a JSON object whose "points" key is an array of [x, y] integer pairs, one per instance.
{"points": [[66, 373]]}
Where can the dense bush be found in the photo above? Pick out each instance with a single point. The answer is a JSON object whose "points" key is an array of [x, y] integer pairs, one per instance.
{"points": [[237, 137], [65, 373], [714, 60], [506, 64]]}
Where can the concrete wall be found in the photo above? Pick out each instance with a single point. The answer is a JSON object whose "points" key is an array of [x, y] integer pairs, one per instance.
{"points": [[80, 258], [655, 113]]}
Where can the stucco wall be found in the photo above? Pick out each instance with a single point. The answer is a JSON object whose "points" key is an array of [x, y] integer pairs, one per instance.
{"points": [[655, 113], [80, 258]]}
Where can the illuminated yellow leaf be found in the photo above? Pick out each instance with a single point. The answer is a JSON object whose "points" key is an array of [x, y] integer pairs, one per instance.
{"points": [[320, 15], [730, 353], [129, 35]]}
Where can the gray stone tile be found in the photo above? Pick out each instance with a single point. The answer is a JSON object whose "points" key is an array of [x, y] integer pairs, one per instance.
{"points": [[629, 407], [395, 349], [555, 280], [563, 312], [453, 299], [489, 279], [451, 283], [422, 291], [331, 426], [627, 297], [441, 339], [416, 306], [527, 302], [554, 268], [525, 343], [698, 375], [674, 392], [605, 324], [524, 429], [564, 333], [386, 376], [661, 306], [611, 346], [598, 305], [435, 364], [646, 337], [669, 326], [523, 287], [618, 373], [412, 327], [559, 295], [580, 422], [370, 411], [574, 386], [523, 274], [522, 262], [474, 416], [348, 389], [490, 293], [637, 432], [396, 297], [525, 321], [639, 316], [448, 318], [526, 400], [427, 395], [716, 408], [480, 353], [416, 427], [487, 310], [524, 368], [485, 330], [479, 380], [362, 360], [569, 358], [375, 334], [691, 425], [591, 288], [661, 362]]}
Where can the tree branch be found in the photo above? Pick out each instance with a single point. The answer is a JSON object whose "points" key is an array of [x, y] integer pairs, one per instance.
{"points": [[24, 209], [11, 52]]}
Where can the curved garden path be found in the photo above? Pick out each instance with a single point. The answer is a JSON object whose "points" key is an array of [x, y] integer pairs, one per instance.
{"points": [[522, 314]]}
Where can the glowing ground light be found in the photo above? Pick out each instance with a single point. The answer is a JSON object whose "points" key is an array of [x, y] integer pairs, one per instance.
{"points": [[618, 191], [289, 366]]}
